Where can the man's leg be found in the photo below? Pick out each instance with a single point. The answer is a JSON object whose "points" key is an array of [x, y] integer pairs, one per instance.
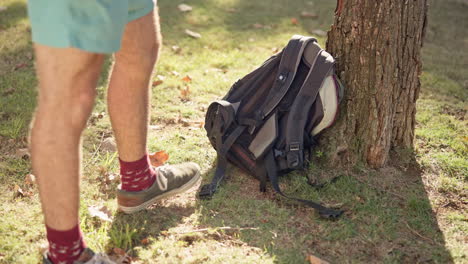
{"points": [[67, 81], [128, 102], [128, 97]]}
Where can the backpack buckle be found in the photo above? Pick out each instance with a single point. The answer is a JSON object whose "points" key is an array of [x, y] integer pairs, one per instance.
{"points": [[294, 157], [294, 147], [206, 192]]}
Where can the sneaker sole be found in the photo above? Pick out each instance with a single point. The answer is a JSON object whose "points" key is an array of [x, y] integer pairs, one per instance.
{"points": [[181, 189]]}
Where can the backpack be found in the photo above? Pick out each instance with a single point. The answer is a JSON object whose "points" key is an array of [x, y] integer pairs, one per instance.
{"points": [[268, 122]]}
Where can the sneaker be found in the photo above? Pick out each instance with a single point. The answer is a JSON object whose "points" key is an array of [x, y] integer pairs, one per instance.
{"points": [[86, 257], [170, 180]]}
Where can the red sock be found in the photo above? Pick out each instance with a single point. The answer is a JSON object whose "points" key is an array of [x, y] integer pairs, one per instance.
{"points": [[65, 246], [137, 175]]}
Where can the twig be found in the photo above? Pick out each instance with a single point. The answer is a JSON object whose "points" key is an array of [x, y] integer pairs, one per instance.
{"points": [[95, 152], [419, 235], [217, 228]]}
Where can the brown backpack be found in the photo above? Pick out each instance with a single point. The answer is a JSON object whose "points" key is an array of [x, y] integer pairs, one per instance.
{"points": [[268, 122]]}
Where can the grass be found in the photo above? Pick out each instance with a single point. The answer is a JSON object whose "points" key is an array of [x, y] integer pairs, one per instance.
{"points": [[410, 212]]}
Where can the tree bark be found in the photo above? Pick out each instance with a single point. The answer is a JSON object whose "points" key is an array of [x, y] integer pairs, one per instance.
{"points": [[377, 46]]}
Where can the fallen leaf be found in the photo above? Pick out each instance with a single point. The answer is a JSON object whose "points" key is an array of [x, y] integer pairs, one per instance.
{"points": [[184, 122], [251, 39], [119, 256], [193, 34], [258, 25], [3, 8], [157, 82], [101, 212], [22, 153], [184, 8], [176, 49], [18, 192], [155, 127], [111, 177], [158, 158], [20, 66], [30, 179], [308, 15], [120, 251], [145, 241], [187, 78], [175, 73], [319, 32], [160, 77], [294, 21], [109, 145], [315, 260], [184, 93]]}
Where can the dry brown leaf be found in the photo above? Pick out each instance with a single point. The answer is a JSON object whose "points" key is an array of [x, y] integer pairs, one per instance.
{"points": [[193, 34], [184, 8], [157, 82], [18, 192], [30, 179], [308, 14], [158, 158], [185, 93], [315, 260], [119, 251], [294, 21], [145, 241], [187, 78], [109, 145], [258, 25], [101, 212], [22, 153], [20, 66]]}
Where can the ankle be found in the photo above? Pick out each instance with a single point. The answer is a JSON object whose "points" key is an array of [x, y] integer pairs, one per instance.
{"points": [[65, 246], [137, 175]]}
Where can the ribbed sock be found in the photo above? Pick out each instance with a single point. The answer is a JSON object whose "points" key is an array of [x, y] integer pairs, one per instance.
{"points": [[137, 175], [65, 246]]}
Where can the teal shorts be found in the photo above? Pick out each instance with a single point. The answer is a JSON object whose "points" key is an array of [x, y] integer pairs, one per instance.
{"points": [[90, 25]]}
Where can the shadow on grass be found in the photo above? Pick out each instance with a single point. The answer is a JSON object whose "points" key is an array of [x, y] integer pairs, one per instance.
{"points": [[12, 15], [388, 218], [128, 231]]}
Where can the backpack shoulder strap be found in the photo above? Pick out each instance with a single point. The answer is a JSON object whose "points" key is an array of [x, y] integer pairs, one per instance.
{"points": [[290, 60], [271, 170], [300, 109]]}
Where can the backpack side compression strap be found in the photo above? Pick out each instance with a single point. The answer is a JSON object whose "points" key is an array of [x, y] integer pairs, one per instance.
{"points": [[221, 115], [271, 170]]}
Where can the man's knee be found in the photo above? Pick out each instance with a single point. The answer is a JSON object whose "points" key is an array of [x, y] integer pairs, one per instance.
{"points": [[138, 59]]}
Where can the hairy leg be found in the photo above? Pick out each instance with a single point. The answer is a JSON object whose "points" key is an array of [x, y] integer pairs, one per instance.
{"points": [[67, 81], [129, 93]]}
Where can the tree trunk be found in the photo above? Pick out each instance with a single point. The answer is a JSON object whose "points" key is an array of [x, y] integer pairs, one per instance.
{"points": [[377, 46]]}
